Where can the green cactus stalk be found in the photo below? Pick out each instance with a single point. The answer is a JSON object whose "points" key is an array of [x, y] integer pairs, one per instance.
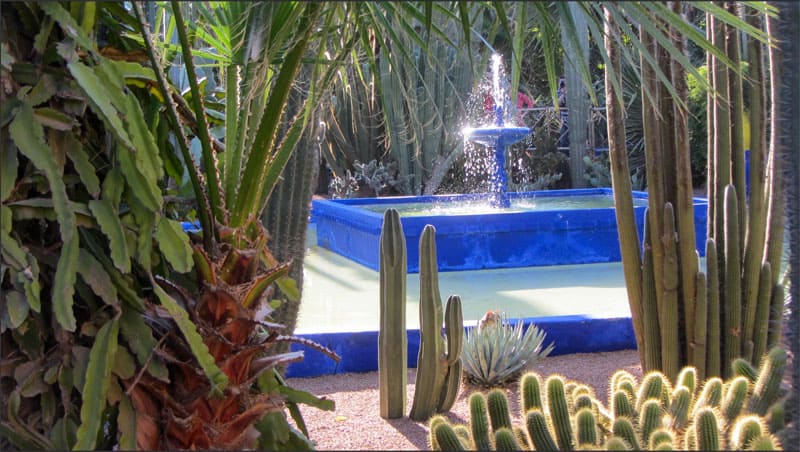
{"points": [[713, 359], [437, 379], [652, 340], [768, 383], [669, 322], [775, 316], [504, 439], [621, 404], [586, 427], [650, 417], [745, 430], [742, 368], [764, 442], [732, 345], [698, 347], [434, 421], [710, 395], [447, 438], [530, 391], [679, 407], [463, 434], [559, 411], [479, 421], [583, 401], [761, 327], [392, 336], [655, 385], [454, 332], [659, 437], [776, 416], [623, 428], [522, 438], [617, 443], [735, 397], [538, 431], [706, 429], [688, 377], [499, 415]]}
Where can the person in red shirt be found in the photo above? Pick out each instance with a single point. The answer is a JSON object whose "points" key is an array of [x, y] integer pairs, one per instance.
{"points": [[523, 101]]}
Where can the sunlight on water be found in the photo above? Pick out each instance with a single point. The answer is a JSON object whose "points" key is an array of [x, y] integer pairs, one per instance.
{"points": [[416, 209]]}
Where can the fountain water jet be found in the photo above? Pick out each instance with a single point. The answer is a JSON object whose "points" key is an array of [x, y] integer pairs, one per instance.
{"points": [[497, 136]]}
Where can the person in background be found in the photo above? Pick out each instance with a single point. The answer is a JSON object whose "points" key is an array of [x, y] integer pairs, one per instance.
{"points": [[523, 101]]}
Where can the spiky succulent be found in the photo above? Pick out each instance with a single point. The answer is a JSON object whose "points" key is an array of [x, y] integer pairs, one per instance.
{"points": [[496, 352]]}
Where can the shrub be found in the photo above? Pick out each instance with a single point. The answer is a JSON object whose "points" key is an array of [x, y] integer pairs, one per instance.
{"points": [[496, 353]]}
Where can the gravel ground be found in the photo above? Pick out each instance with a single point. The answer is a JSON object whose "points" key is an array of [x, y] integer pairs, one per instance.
{"points": [[356, 425]]}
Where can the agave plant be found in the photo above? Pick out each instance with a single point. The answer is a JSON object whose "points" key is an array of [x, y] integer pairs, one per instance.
{"points": [[496, 353]]}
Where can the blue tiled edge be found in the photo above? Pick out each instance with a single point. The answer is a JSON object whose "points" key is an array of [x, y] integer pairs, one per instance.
{"points": [[359, 350]]}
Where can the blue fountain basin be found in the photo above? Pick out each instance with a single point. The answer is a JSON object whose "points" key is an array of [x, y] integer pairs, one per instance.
{"points": [[472, 241], [497, 136]]}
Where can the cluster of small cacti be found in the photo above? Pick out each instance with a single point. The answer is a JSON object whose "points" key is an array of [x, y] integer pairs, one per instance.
{"points": [[438, 363], [654, 414], [496, 353]]}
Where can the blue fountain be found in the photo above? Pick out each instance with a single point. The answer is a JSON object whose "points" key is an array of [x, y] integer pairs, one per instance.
{"points": [[498, 137]]}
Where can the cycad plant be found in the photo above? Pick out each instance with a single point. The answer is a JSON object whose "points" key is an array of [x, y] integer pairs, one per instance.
{"points": [[496, 353]]}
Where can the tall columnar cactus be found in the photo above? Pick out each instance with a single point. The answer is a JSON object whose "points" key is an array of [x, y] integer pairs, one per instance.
{"points": [[744, 231], [438, 362], [696, 415], [392, 336]]}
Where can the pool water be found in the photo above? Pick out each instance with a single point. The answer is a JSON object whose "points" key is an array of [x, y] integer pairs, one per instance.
{"points": [[543, 203]]}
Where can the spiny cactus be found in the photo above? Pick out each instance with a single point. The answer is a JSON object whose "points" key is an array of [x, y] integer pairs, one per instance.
{"points": [[648, 415], [438, 362], [768, 383], [392, 336]]}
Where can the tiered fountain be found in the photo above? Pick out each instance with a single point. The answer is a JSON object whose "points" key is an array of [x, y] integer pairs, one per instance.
{"points": [[510, 230], [497, 137]]}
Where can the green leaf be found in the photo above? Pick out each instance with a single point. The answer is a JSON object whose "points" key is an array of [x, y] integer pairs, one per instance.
{"points": [[146, 221], [96, 277], [8, 171], [289, 288], [85, 169], [140, 339], [54, 119], [96, 382], [174, 243], [28, 135], [45, 89], [145, 190], [63, 434], [113, 186], [199, 349], [129, 69], [64, 285], [17, 308], [298, 396], [148, 160], [100, 99], [124, 366], [126, 424], [21, 262], [67, 23], [106, 216]]}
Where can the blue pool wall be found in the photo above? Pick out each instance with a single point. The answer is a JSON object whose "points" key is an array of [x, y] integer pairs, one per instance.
{"points": [[485, 241], [359, 350]]}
